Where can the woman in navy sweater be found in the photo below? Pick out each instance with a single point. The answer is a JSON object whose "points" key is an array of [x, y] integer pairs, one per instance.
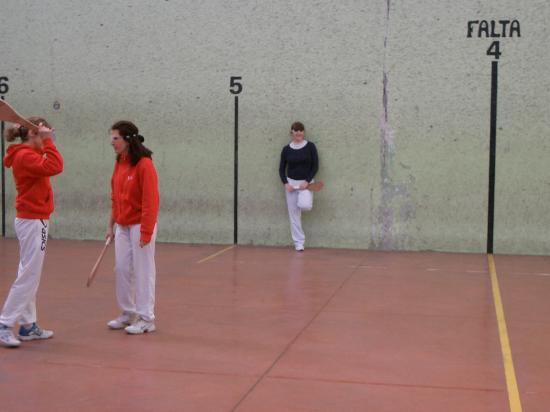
{"points": [[299, 163]]}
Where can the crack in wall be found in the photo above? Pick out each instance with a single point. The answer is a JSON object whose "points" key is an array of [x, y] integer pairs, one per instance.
{"points": [[394, 196]]}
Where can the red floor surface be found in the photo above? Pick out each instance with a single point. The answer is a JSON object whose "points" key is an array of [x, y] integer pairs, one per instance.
{"points": [[270, 329], [525, 285]]}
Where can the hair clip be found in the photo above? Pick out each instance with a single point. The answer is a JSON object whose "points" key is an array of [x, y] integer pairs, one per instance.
{"points": [[139, 137]]}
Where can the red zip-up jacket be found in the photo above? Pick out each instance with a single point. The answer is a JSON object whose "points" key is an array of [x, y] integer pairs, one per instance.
{"points": [[134, 195], [32, 169]]}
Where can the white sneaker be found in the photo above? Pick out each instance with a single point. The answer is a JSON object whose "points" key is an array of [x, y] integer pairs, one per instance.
{"points": [[299, 248], [34, 332], [140, 326], [7, 338], [121, 322]]}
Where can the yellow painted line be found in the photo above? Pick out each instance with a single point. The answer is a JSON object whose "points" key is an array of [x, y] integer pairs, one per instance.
{"points": [[216, 254], [511, 382]]}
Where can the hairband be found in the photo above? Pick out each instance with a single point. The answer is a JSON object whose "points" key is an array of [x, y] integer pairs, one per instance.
{"points": [[23, 131]]}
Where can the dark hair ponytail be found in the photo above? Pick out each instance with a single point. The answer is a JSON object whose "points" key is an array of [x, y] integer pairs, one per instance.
{"points": [[130, 133], [14, 132]]}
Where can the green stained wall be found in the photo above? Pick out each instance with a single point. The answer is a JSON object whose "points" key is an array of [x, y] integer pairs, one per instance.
{"points": [[393, 93]]}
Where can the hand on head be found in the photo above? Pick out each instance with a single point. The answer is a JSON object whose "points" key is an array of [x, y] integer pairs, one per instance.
{"points": [[44, 131]]}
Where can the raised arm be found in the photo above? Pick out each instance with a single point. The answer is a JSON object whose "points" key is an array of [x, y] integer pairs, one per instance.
{"points": [[50, 163]]}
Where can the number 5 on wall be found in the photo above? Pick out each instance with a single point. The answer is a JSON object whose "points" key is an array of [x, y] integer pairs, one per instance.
{"points": [[235, 85]]}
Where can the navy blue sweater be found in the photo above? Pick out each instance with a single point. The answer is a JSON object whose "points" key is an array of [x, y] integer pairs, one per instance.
{"points": [[299, 164]]}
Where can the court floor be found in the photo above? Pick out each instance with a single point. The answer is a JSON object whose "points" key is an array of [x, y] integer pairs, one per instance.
{"points": [[268, 329]]}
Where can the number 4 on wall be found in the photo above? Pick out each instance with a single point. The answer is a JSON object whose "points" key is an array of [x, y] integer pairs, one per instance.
{"points": [[494, 50]]}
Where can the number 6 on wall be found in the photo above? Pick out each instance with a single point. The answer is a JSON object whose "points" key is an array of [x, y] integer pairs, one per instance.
{"points": [[4, 88], [235, 86]]}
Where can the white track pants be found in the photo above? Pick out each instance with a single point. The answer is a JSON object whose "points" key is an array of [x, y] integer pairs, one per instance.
{"points": [[298, 201], [20, 305], [135, 272]]}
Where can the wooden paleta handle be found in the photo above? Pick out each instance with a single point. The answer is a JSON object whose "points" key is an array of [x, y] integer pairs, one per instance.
{"points": [[99, 259], [316, 186], [8, 114]]}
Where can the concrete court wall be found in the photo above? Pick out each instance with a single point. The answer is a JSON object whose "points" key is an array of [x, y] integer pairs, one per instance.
{"points": [[393, 93]]}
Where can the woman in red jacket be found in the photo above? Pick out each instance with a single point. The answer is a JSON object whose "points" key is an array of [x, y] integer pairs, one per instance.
{"points": [[33, 161], [135, 202]]}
